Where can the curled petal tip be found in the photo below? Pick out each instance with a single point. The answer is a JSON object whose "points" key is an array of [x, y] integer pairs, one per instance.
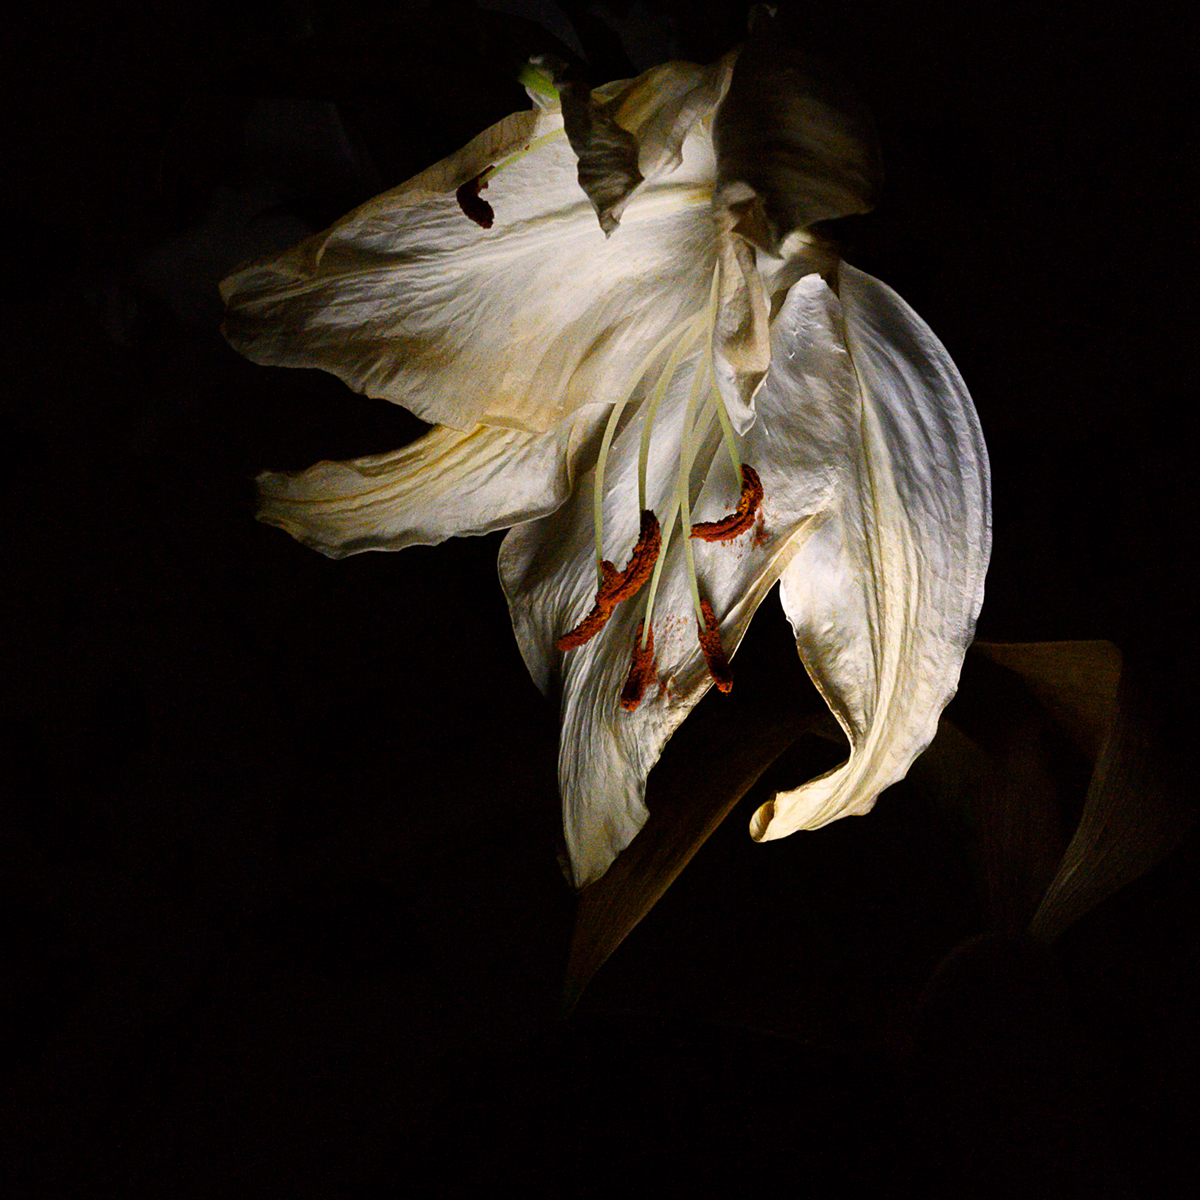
{"points": [[760, 823]]}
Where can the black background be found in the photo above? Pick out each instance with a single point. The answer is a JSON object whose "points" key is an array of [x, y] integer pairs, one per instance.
{"points": [[280, 901]]}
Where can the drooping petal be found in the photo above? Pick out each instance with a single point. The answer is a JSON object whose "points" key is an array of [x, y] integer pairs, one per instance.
{"points": [[819, 449], [794, 144], [884, 595], [445, 484], [547, 568], [519, 324], [628, 132]]}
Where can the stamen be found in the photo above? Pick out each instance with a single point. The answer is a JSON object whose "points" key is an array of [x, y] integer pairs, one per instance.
{"points": [[643, 668], [681, 332], [688, 332], [727, 434], [692, 435], [610, 429], [536, 144], [743, 516], [714, 654], [672, 514], [683, 487], [705, 420], [617, 585], [473, 204]]}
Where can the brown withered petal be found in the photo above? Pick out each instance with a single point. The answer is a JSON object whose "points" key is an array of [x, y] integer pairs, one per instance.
{"points": [[796, 134]]}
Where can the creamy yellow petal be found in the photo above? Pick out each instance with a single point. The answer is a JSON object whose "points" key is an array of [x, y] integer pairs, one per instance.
{"points": [[515, 325], [884, 595], [446, 484]]}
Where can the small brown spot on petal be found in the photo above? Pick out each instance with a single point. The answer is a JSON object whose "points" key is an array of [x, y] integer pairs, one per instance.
{"points": [[642, 669], [742, 518], [473, 204], [618, 585], [714, 652]]}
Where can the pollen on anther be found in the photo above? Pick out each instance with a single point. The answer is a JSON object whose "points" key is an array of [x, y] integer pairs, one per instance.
{"points": [[618, 585], [714, 653], [742, 518], [642, 669]]}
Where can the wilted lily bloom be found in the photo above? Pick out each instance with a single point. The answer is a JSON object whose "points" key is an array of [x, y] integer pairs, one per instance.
{"points": [[637, 355]]}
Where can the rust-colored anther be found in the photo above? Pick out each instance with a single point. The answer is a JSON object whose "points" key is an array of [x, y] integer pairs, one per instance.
{"points": [[618, 585], [742, 518], [473, 204], [642, 670], [714, 653]]}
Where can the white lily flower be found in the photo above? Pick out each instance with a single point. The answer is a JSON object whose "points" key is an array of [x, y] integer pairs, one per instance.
{"points": [[691, 361]]}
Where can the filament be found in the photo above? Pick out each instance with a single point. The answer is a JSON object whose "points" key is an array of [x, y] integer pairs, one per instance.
{"points": [[682, 334], [687, 336], [727, 435], [667, 529], [536, 144]]}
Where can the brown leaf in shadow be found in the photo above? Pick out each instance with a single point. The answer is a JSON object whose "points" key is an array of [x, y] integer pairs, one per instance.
{"points": [[1076, 682], [1136, 812], [1011, 762], [1010, 768]]}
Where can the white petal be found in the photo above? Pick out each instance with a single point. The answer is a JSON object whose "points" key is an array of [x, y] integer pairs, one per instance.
{"points": [[548, 570], [876, 516], [445, 484], [517, 325], [884, 594]]}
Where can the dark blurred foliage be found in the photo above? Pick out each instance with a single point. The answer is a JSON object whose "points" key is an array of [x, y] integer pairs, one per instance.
{"points": [[277, 878]]}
